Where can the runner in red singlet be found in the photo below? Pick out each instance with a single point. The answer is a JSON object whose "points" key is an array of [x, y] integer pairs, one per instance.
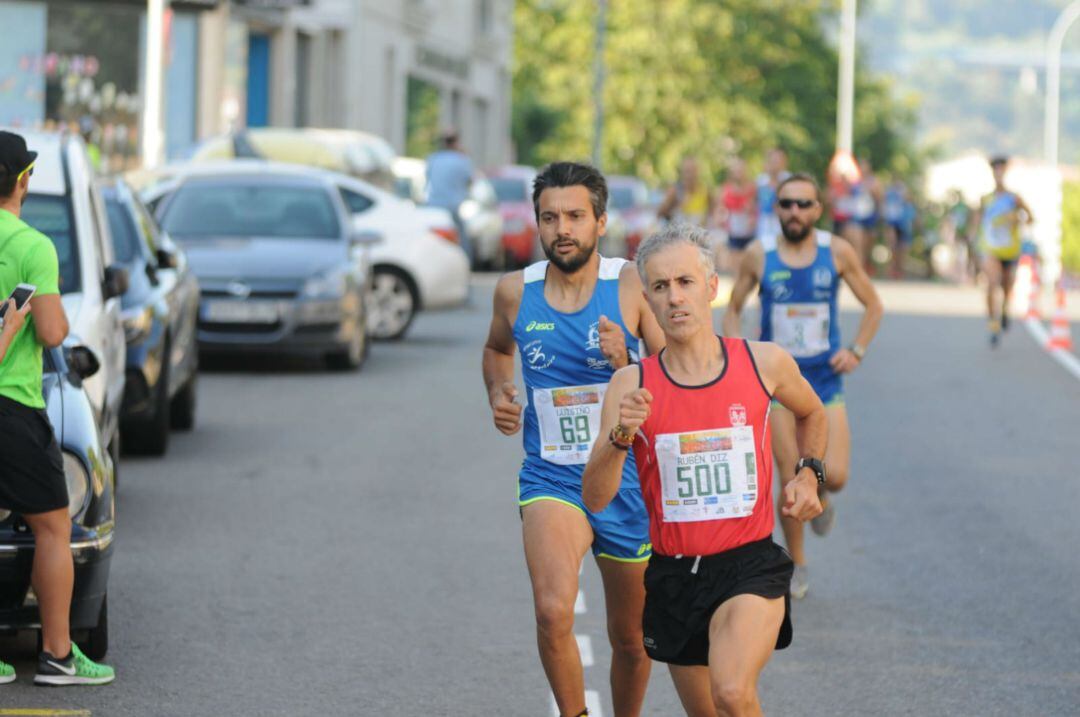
{"points": [[716, 589]]}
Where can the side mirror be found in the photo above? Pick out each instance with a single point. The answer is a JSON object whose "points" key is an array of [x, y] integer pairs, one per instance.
{"points": [[83, 362], [116, 281], [365, 237], [166, 259]]}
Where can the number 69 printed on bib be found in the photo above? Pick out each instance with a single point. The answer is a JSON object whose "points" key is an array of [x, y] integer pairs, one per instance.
{"points": [[569, 419]]}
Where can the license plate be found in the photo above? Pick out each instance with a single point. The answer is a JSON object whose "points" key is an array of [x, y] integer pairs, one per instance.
{"points": [[241, 312]]}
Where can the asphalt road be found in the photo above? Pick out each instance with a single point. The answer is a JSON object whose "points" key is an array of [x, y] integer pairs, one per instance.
{"points": [[329, 544]]}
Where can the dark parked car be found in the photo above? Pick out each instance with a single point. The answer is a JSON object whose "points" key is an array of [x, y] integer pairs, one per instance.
{"points": [[89, 471], [278, 264], [160, 310]]}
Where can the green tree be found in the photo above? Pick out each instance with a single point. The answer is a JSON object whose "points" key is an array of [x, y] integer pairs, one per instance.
{"points": [[713, 78]]}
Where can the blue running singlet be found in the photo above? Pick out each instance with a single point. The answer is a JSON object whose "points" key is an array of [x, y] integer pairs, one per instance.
{"points": [[798, 312], [566, 376]]}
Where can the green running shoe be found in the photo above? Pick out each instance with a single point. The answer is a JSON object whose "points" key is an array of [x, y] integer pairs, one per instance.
{"points": [[7, 673], [77, 669]]}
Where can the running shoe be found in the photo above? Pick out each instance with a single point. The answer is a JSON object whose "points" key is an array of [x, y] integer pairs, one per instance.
{"points": [[800, 582], [75, 669], [822, 524], [7, 673], [995, 339]]}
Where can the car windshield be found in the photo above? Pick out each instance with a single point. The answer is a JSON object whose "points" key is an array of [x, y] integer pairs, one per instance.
{"points": [[51, 216], [510, 190], [622, 197], [125, 242], [249, 209]]}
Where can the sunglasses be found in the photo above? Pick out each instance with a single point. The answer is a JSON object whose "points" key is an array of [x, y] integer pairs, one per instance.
{"points": [[29, 171], [800, 203]]}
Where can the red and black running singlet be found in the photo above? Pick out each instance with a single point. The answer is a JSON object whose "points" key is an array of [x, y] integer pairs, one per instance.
{"points": [[704, 459]]}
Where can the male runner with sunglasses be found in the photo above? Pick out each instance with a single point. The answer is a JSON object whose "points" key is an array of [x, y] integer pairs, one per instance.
{"points": [[799, 273]]}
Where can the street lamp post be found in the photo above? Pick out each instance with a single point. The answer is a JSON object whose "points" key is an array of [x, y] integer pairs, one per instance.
{"points": [[598, 83], [1053, 80], [846, 94], [152, 140]]}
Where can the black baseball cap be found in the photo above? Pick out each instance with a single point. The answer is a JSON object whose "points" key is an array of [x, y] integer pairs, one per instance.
{"points": [[14, 156], [999, 160]]}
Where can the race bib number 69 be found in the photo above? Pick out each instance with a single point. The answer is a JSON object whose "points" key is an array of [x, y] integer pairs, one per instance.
{"points": [[569, 419]]}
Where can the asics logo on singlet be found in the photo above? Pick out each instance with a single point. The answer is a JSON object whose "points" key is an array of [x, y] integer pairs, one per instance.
{"points": [[538, 326]]}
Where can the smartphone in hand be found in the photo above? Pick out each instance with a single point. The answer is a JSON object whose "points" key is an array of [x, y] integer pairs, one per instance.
{"points": [[21, 295]]}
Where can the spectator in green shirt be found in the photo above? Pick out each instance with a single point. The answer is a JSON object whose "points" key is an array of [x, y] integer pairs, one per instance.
{"points": [[32, 481]]}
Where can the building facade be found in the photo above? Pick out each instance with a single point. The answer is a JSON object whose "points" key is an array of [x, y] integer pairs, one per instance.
{"points": [[401, 69]]}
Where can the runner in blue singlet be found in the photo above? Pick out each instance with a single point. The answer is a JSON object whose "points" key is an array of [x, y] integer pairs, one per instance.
{"points": [[570, 318], [799, 273]]}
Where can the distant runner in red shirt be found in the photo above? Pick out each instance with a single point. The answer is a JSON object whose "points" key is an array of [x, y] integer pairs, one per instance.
{"points": [[716, 589]]}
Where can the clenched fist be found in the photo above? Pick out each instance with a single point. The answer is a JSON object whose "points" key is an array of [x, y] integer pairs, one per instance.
{"points": [[801, 500], [505, 410], [613, 343], [634, 409]]}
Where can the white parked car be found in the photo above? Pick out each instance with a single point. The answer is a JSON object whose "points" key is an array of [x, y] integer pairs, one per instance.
{"points": [[413, 268], [479, 213], [65, 204]]}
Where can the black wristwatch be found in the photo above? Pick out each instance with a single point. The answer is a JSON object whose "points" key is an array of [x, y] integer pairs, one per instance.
{"points": [[813, 464]]}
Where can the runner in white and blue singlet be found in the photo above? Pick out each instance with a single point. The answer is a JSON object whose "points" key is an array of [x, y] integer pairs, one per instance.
{"points": [[570, 318], [799, 273]]}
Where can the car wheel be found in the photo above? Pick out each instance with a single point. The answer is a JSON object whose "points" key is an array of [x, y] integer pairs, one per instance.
{"points": [[391, 304], [96, 644], [151, 437], [352, 358], [182, 408]]}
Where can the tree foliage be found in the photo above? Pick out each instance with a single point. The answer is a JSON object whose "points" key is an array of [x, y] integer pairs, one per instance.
{"points": [[712, 78]]}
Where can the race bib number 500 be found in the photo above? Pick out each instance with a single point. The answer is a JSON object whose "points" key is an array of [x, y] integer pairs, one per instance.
{"points": [[569, 419], [708, 475]]}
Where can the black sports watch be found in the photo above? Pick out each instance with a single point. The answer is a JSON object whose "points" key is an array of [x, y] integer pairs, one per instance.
{"points": [[813, 464]]}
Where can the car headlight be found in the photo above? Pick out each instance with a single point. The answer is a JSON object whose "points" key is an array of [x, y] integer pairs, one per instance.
{"points": [[78, 483], [331, 284], [137, 324]]}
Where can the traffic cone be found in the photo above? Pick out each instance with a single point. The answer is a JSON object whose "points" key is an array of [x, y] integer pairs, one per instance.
{"points": [[1033, 311], [1060, 335]]}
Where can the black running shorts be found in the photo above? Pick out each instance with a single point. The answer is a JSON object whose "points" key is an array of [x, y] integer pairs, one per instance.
{"points": [[31, 467], [679, 603]]}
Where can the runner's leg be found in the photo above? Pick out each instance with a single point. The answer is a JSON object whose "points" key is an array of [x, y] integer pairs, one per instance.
{"points": [[695, 691], [556, 537], [786, 452], [53, 577], [624, 599], [838, 452], [1008, 278], [992, 267], [742, 637]]}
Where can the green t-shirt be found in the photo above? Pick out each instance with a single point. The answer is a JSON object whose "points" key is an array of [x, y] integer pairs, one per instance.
{"points": [[26, 257]]}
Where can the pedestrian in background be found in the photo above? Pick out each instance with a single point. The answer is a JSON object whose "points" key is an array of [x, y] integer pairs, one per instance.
{"points": [[776, 171], [32, 481], [736, 211], [689, 200], [449, 176]]}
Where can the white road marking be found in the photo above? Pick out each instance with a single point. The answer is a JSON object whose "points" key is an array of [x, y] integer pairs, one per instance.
{"points": [[584, 644], [579, 604], [1065, 358]]}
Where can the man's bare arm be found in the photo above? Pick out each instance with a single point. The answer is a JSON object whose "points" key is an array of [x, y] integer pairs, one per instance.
{"points": [[783, 380], [639, 316], [624, 403], [50, 321], [746, 280], [855, 276], [498, 361]]}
